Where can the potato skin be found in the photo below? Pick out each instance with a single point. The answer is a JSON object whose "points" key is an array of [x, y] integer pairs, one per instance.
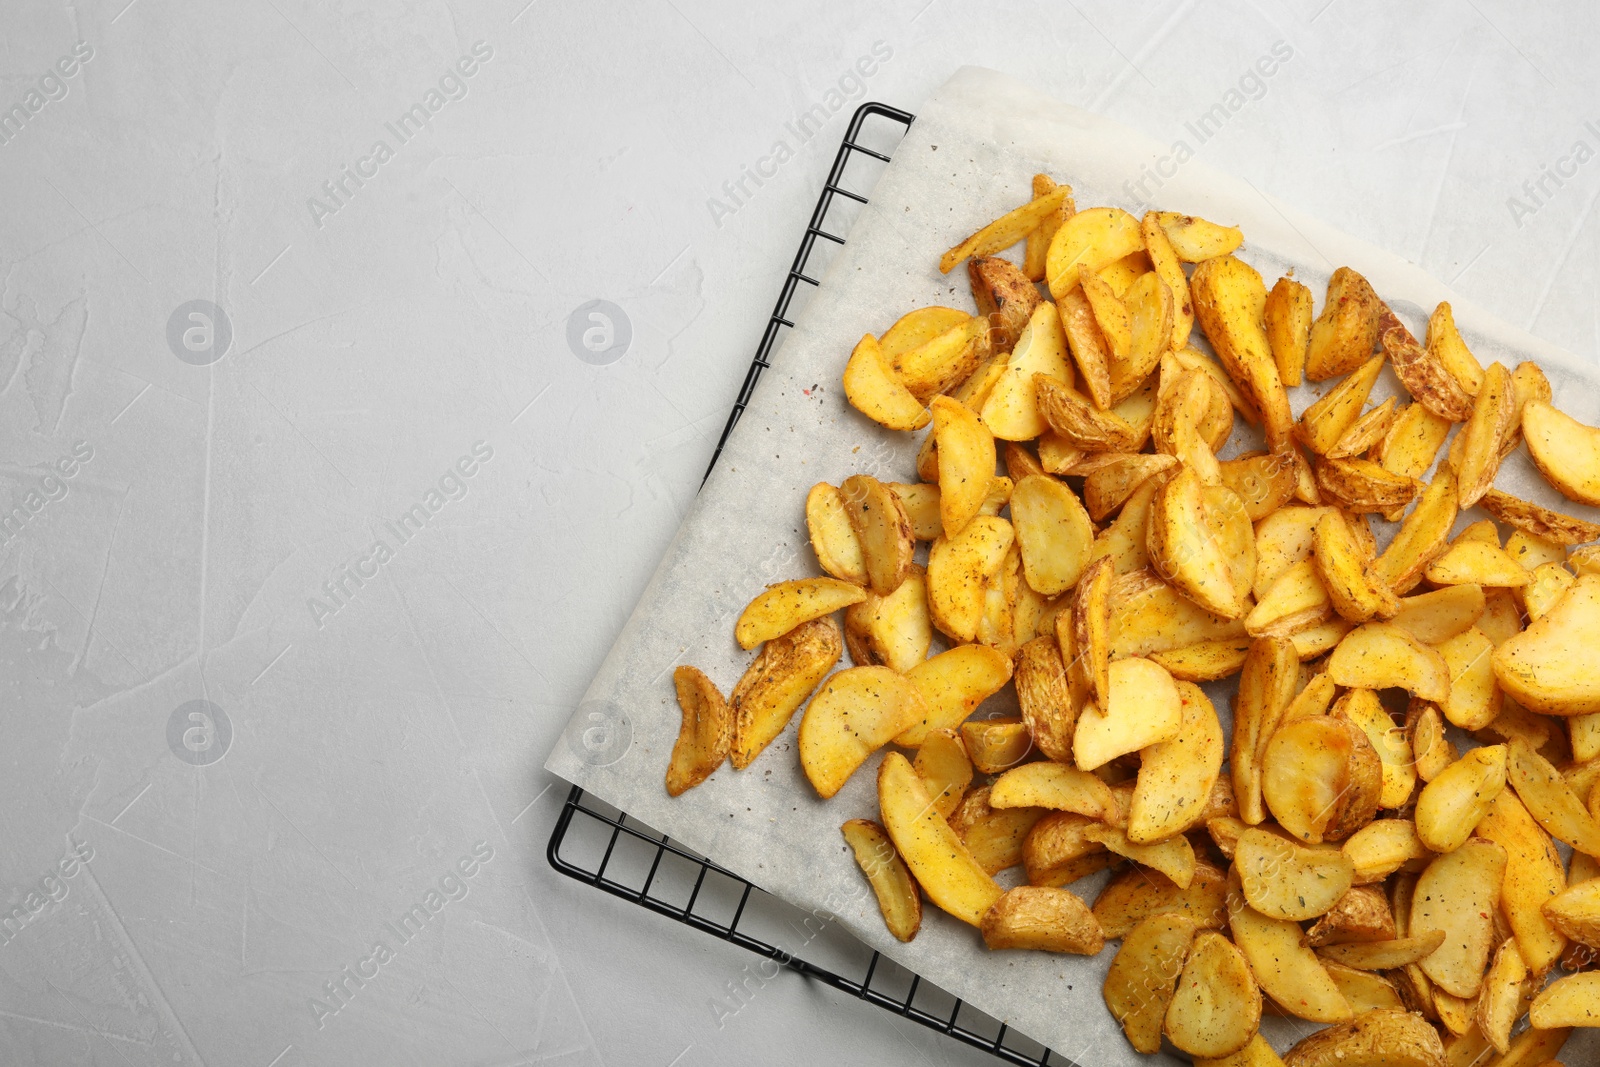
{"points": [[1382, 1038], [1042, 917]]}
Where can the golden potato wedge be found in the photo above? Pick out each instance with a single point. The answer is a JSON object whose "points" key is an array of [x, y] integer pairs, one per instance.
{"points": [[1424, 377], [1005, 298], [921, 501], [1087, 345], [1090, 240], [1166, 263], [1056, 849], [996, 745], [1006, 230], [874, 389], [1384, 955], [1570, 1001], [1481, 532], [1011, 410], [1447, 348], [1365, 990], [1533, 551], [1502, 618], [1441, 614], [1539, 521], [855, 713], [1148, 615], [938, 860], [1264, 483], [1111, 478], [1366, 431], [1216, 1008], [1575, 912], [1527, 383], [1500, 1004], [1372, 1039], [1173, 857], [1207, 661], [1382, 656], [1143, 708], [1288, 971], [1544, 668], [997, 628], [1550, 800], [1053, 533], [1149, 307], [782, 607], [1421, 535], [1547, 584], [1185, 541], [1343, 336], [1043, 918], [966, 462], [1433, 750], [1382, 847], [1138, 894], [1176, 777], [1082, 424], [959, 567], [1532, 1047], [1283, 538], [777, 682], [952, 685], [1315, 699], [1362, 707], [1492, 414], [1321, 778], [1266, 687], [892, 631], [1315, 640], [899, 897], [1124, 540], [1327, 420], [1110, 315], [1019, 461], [1229, 297], [916, 328], [1476, 563], [1046, 696], [1566, 451], [1475, 699], [1451, 805], [945, 769], [1038, 241], [1346, 572], [1283, 880], [943, 362], [1194, 239], [1361, 485], [1140, 980], [1457, 895], [705, 735], [1054, 786], [995, 837], [1361, 915], [1256, 1054], [833, 538], [883, 531], [1288, 317], [1412, 442]]}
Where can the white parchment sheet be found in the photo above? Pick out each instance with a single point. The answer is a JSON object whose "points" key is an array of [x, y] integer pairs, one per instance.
{"points": [[968, 158]]}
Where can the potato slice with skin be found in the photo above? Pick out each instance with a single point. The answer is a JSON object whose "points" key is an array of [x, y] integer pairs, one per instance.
{"points": [[952, 685], [1143, 707], [857, 712], [1091, 627], [1216, 1008], [1091, 240], [1229, 296], [1149, 306], [944, 768], [1537, 521], [1043, 918], [1164, 258], [777, 682], [1109, 314], [1080, 423], [1382, 847], [1053, 532], [1264, 483], [705, 735], [1187, 552], [833, 538], [1327, 420], [882, 529], [1421, 536], [1046, 695], [1550, 800], [1148, 615], [1362, 707], [1057, 850], [917, 328], [1452, 805], [1372, 1039], [996, 745], [1005, 298], [934, 854], [942, 363], [1138, 894], [1038, 242], [1287, 970], [1054, 786], [1424, 377], [966, 462], [1385, 955], [782, 607], [1283, 538], [899, 898], [1411, 442], [1475, 699], [1566, 451], [1283, 880], [1382, 656], [1366, 431], [1570, 1001], [1090, 352], [1315, 699], [1114, 476], [1575, 912], [1545, 668], [1477, 563], [1288, 317], [1457, 895], [873, 389], [1176, 777], [1441, 614], [1006, 230], [921, 501], [1195, 239], [892, 631], [1362, 915], [1500, 1003], [1344, 334], [1256, 1054], [1266, 687], [1011, 411], [1206, 661], [1321, 778], [1361, 485], [1450, 351], [1173, 857], [1140, 980], [1346, 572], [1492, 414], [1433, 750], [996, 838], [959, 567]]}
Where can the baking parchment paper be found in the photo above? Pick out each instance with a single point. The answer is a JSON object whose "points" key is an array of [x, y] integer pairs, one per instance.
{"points": [[969, 157]]}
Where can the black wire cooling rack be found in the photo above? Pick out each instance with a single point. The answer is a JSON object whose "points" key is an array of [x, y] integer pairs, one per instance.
{"points": [[600, 846]]}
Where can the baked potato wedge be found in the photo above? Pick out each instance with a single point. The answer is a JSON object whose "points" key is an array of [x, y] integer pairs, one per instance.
{"points": [[785, 605], [1140, 980], [1008, 229], [1372, 1039], [705, 735], [931, 850], [777, 682], [855, 713], [1216, 1008], [1044, 918], [1544, 668], [1566, 451], [899, 897]]}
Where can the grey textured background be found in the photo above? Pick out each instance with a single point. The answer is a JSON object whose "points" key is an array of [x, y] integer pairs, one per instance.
{"points": [[373, 748]]}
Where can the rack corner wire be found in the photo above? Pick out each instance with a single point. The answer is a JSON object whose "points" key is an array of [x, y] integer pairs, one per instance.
{"points": [[637, 857]]}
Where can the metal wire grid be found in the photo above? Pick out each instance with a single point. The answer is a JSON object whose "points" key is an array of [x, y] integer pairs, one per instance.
{"points": [[648, 869]]}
